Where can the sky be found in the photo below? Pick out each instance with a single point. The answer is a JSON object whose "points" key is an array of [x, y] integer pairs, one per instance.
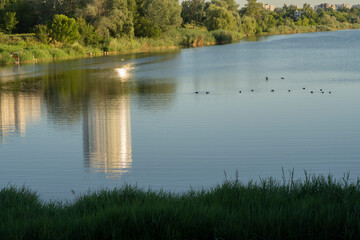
{"points": [[280, 3]]}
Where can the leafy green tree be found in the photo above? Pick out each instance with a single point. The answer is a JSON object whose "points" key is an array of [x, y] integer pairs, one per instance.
{"points": [[88, 35], [253, 9], [193, 11], [248, 25], [19, 11], [219, 18], [165, 14], [143, 27], [42, 32], [232, 5], [111, 18], [10, 21], [310, 13], [63, 29], [328, 20]]}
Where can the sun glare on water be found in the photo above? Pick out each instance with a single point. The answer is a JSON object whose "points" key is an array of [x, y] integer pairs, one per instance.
{"points": [[124, 72]]}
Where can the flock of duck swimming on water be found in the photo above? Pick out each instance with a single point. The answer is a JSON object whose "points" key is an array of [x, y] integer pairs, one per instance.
{"points": [[273, 90]]}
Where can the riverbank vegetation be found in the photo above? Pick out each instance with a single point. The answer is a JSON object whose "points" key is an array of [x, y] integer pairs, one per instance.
{"points": [[51, 29], [315, 208]]}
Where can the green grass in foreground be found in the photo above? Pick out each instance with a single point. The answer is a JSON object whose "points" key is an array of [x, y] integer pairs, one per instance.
{"points": [[315, 208]]}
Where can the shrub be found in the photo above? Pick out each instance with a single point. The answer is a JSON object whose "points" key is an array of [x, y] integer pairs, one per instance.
{"points": [[63, 29]]}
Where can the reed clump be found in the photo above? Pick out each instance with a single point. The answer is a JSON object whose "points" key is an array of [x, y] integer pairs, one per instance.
{"points": [[223, 37], [316, 207]]}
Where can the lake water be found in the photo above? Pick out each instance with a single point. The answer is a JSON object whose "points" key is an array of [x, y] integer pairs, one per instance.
{"points": [[102, 122]]}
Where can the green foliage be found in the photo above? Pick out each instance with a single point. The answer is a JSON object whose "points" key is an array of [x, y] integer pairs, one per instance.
{"points": [[145, 28], [165, 14], [42, 32], [315, 208], [219, 18], [248, 25], [222, 36], [104, 44], [63, 29], [190, 37], [193, 11], [5, 58], [110, 25], [111, 18], [231, 5], [253, 9], [10, 21], [88, 35]]}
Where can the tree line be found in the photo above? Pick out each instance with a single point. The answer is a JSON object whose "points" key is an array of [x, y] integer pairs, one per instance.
{"points": [[94, 22]]}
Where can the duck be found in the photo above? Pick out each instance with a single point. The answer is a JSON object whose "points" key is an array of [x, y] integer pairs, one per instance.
{"points": [[196, 92], [207, 92]]}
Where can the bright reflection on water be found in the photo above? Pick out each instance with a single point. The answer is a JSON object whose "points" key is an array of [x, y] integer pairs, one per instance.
{"points": [[16, 112], [101, 122], [107, 136], [124, 72]]}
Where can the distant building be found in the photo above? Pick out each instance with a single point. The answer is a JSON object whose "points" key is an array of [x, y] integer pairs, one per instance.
{"points": [[344, 5], [268, 6], [323, 6], [356, 6], [326, 6], [298, 14]]}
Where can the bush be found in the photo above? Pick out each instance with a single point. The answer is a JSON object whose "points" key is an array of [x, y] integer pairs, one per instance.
{"points": [[41, 54], [42, 33], [26, 56], [5, 58], [186, 37], [57, 53], [78, 48], [64, 29], [222, 36]]}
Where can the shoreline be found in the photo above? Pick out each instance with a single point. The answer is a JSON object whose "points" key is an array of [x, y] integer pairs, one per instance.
{"points": [[146, 48]]}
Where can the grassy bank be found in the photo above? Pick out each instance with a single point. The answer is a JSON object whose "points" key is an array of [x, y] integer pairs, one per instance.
{"points": [[315, 208], [31, 50]]}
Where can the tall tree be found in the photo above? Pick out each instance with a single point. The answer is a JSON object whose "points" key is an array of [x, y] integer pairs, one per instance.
{"points": [[193, 11], [219, 18], [63, 29], [253, 9], [165, 14], [109, 17]]}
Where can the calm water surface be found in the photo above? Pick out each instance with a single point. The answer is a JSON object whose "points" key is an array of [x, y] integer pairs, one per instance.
{"points": [[102, 122]]}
